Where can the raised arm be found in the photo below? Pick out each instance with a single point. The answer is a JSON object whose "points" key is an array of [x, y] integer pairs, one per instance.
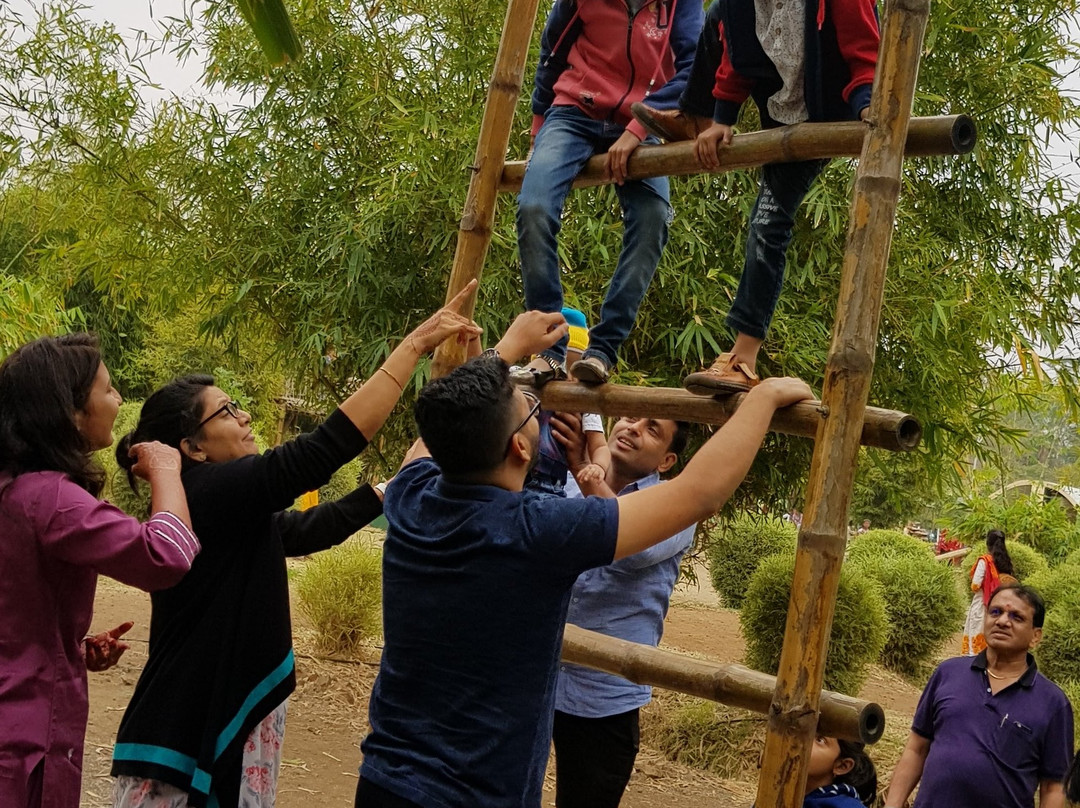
{"points": [[370, 406], [650, 516], [908, 770]]}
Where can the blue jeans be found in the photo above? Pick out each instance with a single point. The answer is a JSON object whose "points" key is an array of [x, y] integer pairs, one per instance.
{"points": [[564, 143], [783, 188]]}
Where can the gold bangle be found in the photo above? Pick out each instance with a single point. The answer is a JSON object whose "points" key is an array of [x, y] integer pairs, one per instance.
{"points": [[400, 386]]}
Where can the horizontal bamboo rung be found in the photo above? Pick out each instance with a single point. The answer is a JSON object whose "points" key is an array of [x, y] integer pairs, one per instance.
{"points": [[882, 429], [927, 137], [735, 685]]}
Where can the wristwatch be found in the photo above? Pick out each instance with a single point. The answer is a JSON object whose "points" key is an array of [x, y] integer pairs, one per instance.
{"points": [[491, 353]]}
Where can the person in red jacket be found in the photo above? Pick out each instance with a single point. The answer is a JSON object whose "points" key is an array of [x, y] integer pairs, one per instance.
{"points": [[596, 58], [800, 60]]}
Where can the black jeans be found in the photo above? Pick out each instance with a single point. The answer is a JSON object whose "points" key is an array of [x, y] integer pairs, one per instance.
{"points": [[369, 795], [697, 97], [594, 758]]}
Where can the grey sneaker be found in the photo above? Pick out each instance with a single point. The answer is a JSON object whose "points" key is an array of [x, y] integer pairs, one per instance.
{"points": [[591, 370]]}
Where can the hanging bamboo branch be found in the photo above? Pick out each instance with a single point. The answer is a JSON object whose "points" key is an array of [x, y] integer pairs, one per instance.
{"points": [[474, 230], [882, 429], [822, 538], [734, 685], [940, 135]]}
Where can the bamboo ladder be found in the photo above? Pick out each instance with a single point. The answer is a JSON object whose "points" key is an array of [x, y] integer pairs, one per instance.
{"points": [[793, 700]]}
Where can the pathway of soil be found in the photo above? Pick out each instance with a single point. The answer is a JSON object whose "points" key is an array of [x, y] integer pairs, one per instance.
{"points": [[327, 714]]}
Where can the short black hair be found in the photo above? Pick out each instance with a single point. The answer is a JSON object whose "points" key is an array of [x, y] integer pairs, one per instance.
{"points": [[863, 775], [464, 417], [680, 438], [1030, 596]]}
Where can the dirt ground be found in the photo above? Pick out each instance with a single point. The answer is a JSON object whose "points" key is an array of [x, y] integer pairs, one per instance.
{"points": [[327, 714]]}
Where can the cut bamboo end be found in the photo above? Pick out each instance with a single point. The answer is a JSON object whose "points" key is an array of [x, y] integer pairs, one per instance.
{"points": [[927, 137], [735, 685], [882, 429]]}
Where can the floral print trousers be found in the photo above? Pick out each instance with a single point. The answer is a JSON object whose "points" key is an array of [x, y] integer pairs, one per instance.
{"points": [[258, 783]]}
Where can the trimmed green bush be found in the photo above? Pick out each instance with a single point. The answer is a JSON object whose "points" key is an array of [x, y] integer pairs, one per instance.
{"points": [[1072, 692], [1073, 558], [923, 607], [1057, 583], [887, 544], [1026, 561], [739, 546], [1059, 652], [340, 591], [858, 631]]}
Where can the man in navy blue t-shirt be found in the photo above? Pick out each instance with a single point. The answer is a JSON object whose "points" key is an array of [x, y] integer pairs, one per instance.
{"points": [[990, 729], [477, 576]]}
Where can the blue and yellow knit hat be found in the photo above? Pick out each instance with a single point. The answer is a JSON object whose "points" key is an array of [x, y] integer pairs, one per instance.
{"points": [[579, 329]]}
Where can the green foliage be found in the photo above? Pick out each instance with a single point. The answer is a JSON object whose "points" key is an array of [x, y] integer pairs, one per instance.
{"points": [[117, 490], [1042, 525], [859, 625], [321, 211], [737, 547], [1056, 585], [1026, 562], [1059, 652], [340, 591], [923, 606], [29, 310], [1072, 692], [1073, 558], [878, 544], [343, 481]]}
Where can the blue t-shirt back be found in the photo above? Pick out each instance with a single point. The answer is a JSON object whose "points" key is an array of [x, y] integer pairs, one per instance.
{"points": [[476, 583]]}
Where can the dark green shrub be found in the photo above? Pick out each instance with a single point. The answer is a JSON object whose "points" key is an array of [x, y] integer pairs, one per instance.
{"points": [[1059, 652], [923, 607], [1026, 561], [1056, 584], [887, 544], [739, 546], [858, 631], [340, 591], [1072, 692]]}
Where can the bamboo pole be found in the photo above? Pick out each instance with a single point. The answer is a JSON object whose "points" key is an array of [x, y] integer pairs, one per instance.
{"points": [[820, 552], [882, 429], [734, 685], [474, 230], [938, 135]]}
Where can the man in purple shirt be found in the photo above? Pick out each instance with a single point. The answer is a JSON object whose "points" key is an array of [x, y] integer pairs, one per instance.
{"points": [[988, 731]]}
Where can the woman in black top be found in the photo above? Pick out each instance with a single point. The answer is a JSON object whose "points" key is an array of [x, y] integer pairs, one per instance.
{"points": [[220, 663]]}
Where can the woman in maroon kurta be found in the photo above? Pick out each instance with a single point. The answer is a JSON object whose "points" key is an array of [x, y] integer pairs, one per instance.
{"points": [[57, 405]]}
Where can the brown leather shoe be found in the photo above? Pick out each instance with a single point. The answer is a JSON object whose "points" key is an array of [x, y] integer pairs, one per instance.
{"points": [[670, 124], [726, 375]]}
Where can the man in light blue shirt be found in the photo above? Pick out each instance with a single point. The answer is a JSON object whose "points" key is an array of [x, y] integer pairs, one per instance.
{"points": [[596, 714]]}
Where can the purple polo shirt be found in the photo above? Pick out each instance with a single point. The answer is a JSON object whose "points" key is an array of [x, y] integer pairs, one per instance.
{"points": [[988, 750]]}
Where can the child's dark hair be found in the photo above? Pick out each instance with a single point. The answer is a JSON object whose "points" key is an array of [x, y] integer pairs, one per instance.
{"points": [[464, 417], [169, 415], [42, 385], [863, 775]]}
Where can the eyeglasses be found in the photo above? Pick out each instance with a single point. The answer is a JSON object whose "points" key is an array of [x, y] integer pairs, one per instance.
{"points": [[533, 410], [231, 407], [996, 613]]}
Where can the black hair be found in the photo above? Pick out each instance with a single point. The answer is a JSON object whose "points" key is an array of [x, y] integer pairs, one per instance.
{"points": [[995, 544], [464, 417], [1030, 596], [1072, 781], [863, 775], [169, 415], [42, 386], [680, 438]]}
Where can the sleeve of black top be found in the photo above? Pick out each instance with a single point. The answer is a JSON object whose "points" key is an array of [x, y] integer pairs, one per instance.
{"points": [[271, 481], [328, 524]]}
